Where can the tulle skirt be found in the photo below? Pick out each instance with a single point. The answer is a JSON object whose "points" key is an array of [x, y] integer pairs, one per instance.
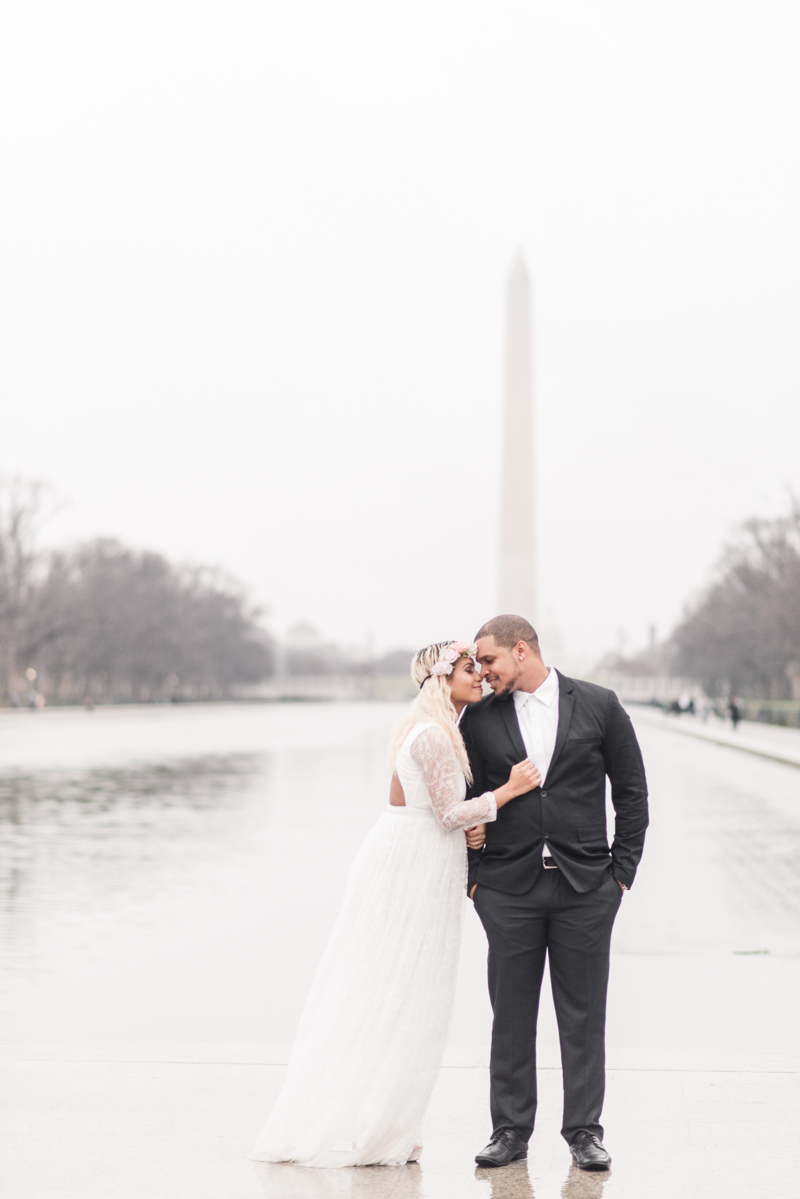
{"points": [[373, 1032]]}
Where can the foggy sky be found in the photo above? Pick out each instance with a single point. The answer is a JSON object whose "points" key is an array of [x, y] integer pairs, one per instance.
{"points": [[252, 272]]}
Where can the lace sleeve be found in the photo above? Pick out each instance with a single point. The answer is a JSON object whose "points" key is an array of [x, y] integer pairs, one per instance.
{"points": [[434, 755]]}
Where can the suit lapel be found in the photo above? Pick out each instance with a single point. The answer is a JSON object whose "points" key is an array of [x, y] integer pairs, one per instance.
{"points": [[566, 702], [508, 711]]}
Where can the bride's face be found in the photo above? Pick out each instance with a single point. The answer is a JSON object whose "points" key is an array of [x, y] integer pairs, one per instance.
{"points": [[465, 683]]}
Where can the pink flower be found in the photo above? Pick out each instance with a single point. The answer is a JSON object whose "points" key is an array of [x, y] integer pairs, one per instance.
{"points": [[460, 647], [442, 668]]}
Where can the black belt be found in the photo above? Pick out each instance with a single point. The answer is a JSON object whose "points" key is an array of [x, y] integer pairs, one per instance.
{"points": [[548, 863]]}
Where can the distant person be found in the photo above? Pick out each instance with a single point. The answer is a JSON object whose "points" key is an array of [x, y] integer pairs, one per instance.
{"points": [[374, 1028], [735, 711], [546, 884]]}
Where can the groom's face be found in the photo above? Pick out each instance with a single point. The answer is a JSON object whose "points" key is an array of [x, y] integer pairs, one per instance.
{"points": [[499, 668]]}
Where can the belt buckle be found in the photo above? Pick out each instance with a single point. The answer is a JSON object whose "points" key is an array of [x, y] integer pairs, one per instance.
{"points": [[548, 863]]}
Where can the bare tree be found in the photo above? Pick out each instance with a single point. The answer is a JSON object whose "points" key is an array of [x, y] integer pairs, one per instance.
{"points": [[744, 632], [114, 623], [22, 509]]}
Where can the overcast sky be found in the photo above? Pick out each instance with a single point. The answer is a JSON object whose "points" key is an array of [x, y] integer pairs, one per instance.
{"points": [[253, 262]]}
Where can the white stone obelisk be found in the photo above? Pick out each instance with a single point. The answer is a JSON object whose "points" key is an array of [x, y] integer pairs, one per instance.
{"points": [[517, 564]]}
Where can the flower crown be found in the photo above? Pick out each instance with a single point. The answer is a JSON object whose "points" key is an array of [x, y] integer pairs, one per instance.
{"points": [[450, 655]]}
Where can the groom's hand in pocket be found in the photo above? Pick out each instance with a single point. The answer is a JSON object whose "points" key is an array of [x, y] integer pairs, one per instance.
{"points": [[476, 836], [472, 891]]}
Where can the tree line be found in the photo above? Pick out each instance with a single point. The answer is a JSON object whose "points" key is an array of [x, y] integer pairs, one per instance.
{"points": [[102, 622], [742, 635]]}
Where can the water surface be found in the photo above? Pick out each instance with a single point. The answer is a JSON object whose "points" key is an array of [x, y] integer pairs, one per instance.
{"points": [[154, 876]]}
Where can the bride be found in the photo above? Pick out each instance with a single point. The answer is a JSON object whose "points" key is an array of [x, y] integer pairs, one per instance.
{"points": [[373, 1031]]}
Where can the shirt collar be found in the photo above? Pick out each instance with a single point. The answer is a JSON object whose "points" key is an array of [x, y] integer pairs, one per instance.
{"points": [[546, 692]]}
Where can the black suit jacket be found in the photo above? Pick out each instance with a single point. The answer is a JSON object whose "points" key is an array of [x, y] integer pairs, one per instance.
{"points": [[595, 738]]}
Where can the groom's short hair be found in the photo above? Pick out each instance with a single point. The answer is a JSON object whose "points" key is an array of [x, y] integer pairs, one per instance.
{"points": [[508, 630]]}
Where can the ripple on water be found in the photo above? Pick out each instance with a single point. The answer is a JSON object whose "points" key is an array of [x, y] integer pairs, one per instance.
{"points": [[75, 840]]}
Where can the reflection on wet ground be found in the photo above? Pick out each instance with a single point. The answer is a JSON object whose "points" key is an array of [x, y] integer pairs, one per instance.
{"points": [[515, 1183], [409, 1182]]}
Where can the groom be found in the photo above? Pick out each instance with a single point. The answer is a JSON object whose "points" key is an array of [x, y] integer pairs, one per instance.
{"points": [[546, 882]]}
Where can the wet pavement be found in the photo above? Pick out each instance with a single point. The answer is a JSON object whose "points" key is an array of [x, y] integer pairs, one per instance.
{"points": [[173, 878], [164, 1131]]}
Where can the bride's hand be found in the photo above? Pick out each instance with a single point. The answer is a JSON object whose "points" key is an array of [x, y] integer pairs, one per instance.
{"points": [[476, 836], [523, 778]]}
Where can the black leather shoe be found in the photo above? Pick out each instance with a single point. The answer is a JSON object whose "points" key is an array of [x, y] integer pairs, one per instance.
{"points": [[589, 1152], [505, 1147]]}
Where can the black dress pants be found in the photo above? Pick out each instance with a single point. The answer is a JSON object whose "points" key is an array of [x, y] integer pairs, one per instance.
{"points": [[574, 929]]}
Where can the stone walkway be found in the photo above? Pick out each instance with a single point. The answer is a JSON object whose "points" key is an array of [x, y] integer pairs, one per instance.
{"points": [[174, 1127]]}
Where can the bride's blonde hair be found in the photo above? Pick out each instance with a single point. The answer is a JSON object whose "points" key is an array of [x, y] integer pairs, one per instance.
{"points": [[433, 704]]}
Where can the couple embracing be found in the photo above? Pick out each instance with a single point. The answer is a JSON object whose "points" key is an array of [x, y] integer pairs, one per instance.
{"points": [[523, 773]]}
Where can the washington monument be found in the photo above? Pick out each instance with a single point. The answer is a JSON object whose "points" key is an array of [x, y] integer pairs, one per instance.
{"points": [[517, 565]]}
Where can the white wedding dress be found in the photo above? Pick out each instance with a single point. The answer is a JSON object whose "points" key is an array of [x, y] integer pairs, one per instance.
{"points": [[374, 1028]]}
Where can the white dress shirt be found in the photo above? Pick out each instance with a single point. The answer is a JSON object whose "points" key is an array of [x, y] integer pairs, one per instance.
{"points": [[537, 714]]}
